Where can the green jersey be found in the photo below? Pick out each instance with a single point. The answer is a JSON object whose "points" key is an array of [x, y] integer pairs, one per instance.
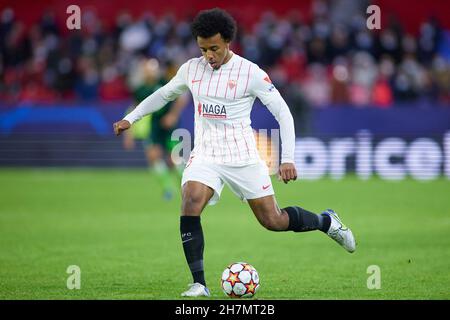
{"points": [[149, 128]]}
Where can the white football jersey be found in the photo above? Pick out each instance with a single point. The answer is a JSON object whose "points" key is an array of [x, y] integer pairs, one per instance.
{"points": [[223, 100]]}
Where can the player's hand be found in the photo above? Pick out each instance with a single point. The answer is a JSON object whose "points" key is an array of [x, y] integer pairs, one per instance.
{"points": [[120, 126], [287, 172], [169, 121]]}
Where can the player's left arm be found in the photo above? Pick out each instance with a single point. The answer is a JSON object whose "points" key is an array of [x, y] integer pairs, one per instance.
{"points": [[262, 87]]}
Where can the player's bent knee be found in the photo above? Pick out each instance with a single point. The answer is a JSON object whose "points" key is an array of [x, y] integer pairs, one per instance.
{"points": [[192, 203], [269, 217]]}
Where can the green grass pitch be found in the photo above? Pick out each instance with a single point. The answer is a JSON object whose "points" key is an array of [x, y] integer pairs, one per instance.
{"points": [[115, 226]]}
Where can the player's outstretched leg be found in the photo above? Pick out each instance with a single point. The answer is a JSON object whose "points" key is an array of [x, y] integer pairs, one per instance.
{"points": [[301, 220], [298, 219]]}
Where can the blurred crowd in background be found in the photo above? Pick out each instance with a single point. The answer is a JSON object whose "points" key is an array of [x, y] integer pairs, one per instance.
{"points": [[331, 59]]}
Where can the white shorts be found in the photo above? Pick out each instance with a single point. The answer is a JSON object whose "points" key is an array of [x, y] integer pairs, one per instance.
{"points": [[247, 182]]}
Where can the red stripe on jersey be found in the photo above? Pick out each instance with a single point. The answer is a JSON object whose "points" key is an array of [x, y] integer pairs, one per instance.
{"points": [[237, 146], [248, 77], [218, 81], [189, 68], [200, 84], [229, 74], [226, 140], [243, 133], [237, 81], [207, 92], [192, 83]]}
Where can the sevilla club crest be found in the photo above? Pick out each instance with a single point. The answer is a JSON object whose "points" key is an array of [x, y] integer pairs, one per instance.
{"points": [[231, 84]]}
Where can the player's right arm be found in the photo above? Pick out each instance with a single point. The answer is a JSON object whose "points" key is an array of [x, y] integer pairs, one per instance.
{"points": [[173, 89]]}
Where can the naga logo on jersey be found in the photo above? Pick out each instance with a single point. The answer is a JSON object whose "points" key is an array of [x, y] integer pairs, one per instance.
{"points": [[212, 111]]}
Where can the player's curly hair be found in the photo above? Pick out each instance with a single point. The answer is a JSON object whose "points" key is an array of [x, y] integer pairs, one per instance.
{"points": [[208, 23]]}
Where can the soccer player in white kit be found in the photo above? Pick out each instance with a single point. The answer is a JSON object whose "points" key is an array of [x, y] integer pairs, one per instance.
{"points": [[224, 87]]}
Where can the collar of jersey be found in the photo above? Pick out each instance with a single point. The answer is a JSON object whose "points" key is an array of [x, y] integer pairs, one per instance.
{"points": [[228, 63]]}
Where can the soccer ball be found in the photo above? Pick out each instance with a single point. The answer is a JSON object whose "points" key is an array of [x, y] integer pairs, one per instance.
{"points": [[240, 280]]}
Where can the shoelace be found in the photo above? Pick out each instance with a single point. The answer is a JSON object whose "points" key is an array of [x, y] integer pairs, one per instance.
{"points": [[335, 234]]}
